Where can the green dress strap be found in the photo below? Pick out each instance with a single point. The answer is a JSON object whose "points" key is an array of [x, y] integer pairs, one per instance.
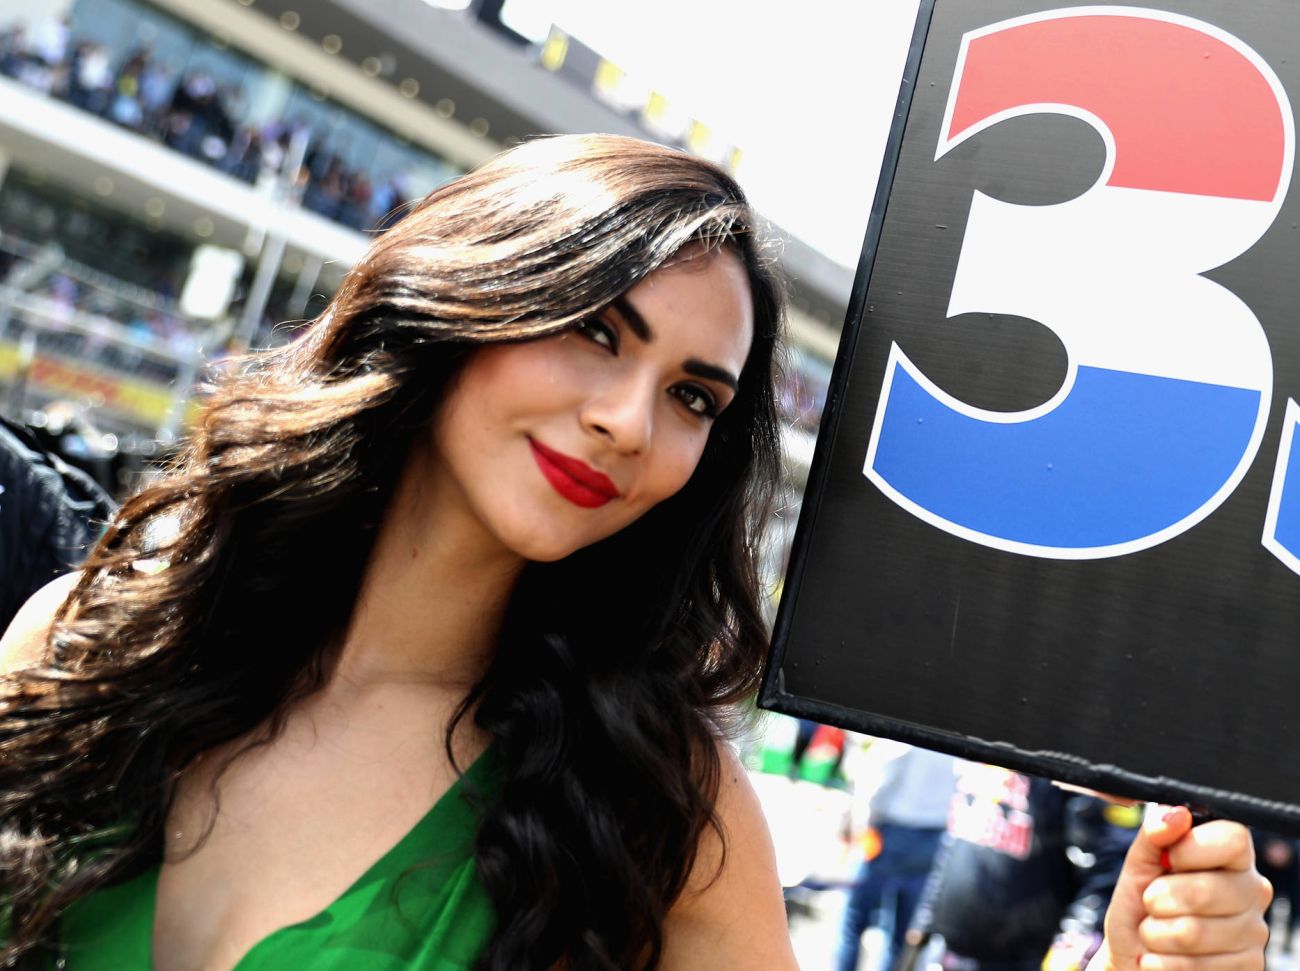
{"points": [[420, 906]]}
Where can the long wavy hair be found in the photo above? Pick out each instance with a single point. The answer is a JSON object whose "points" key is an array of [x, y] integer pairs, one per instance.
{"points": [[219, 594]]}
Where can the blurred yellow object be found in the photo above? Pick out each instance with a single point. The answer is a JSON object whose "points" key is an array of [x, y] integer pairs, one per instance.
{"points": [[555, 50], [608, 76], [872, 844], [1070, 951], [656, 107], [1127, 817], [141, 402]]}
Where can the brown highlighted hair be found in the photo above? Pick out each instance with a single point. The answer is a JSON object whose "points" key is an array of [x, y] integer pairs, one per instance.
{"points": [[218, 595]]}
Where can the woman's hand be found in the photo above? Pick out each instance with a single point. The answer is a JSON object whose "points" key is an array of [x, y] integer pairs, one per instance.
{"points": [[1187, 900]]}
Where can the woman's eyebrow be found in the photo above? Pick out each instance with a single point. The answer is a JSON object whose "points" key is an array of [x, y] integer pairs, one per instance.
{"points": [[635, 322], [702, 369]]}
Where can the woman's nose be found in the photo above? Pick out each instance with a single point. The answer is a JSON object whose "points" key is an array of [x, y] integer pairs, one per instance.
{"points": [[622, 414]]}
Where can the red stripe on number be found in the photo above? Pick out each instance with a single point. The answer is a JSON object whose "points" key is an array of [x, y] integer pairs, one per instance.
{"points": [[1189, 112]]}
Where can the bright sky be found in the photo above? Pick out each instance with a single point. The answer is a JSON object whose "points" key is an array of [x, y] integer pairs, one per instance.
{"points": [[805, 89]]}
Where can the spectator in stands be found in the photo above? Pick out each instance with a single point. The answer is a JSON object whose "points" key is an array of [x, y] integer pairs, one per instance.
{"points": [[390, 201], [49, 42], [355, 211], [89, 77], [40, 57], [13, 50], [194, 115], [156, 86], [193, 111], [244, 159], [324, 188], [126, 107]]}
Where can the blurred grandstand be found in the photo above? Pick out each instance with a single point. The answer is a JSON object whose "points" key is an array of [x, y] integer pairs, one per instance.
{"points": [[181, 178]]}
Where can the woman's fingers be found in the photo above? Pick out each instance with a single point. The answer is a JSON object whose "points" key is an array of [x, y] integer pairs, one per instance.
{"points": [[1204, 935], [1208, 894], [1216, 845], [1240, 961]]}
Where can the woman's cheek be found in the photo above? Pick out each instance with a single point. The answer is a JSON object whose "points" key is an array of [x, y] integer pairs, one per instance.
{"points": [[685, 463]]}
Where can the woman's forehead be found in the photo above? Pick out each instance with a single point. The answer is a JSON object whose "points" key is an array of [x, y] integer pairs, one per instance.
{"points": [[703, 299]]}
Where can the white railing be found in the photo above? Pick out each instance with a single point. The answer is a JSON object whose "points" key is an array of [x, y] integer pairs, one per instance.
{"points": [[134, 382]]}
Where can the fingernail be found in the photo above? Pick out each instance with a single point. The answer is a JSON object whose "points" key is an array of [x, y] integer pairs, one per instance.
{"points": [[1164, 861], [1173, 815]]}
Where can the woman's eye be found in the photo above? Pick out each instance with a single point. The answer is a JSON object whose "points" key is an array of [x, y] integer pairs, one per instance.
{"points": [[600, 333], [698, 400]]}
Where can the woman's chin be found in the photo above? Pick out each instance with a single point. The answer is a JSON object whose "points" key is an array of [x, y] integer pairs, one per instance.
{"points": [[549, 553], [541, 549], [550, 549]]}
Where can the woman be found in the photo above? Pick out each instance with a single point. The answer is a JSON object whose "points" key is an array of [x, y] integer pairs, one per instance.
{"points": [[495, 513]]}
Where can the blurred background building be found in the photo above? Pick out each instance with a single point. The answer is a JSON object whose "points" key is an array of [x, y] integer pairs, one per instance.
{"points": [[182, 178]]}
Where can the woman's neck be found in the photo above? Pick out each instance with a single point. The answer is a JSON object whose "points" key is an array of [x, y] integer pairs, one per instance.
{"points": [[433, 593]]}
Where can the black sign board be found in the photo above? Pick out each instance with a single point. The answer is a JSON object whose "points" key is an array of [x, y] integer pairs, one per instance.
{"points": [[1053, 520]]}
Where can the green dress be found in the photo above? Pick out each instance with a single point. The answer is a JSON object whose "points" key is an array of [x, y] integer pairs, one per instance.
{"points": [[420, 906]]}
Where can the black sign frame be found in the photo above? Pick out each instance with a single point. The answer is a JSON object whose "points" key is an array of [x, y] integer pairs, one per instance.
{"points": [[1278, 815]]}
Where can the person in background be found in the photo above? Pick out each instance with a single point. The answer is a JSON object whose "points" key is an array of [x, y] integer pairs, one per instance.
{"points": [[69, 432], [906, 790], [1279, 864], [13, 50], [90, 77], [50, 516], [156, 86], [1025, 874]]}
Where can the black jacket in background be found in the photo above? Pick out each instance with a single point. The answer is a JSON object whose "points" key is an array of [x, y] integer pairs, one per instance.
{"points": [[50, 516], [1022, 862]]}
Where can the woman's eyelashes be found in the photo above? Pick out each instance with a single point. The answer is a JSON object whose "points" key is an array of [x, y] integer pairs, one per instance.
{"points": [[698, 400], [599, 332]]}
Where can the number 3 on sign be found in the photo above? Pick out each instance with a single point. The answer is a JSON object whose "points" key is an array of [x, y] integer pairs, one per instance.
{"points": [[1170, 376]]}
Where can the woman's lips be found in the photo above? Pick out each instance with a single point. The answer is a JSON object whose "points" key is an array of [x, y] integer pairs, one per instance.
{"points": [[573, 478]]}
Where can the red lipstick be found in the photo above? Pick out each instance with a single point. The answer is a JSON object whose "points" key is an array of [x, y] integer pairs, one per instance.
{"points": [[573, 478]]}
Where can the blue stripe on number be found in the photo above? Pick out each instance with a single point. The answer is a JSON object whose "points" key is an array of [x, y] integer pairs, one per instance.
{"points": [[1122, 457]]}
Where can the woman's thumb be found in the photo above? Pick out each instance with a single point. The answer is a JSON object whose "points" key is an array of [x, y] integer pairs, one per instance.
{"points": [[1147, 858], [1163, 827]]}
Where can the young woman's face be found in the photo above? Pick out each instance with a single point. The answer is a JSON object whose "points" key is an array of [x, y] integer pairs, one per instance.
{"points": [[553, 444]]}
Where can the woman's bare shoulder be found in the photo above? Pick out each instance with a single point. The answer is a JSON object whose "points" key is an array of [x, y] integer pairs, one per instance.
{"points": [[731, 914], [23, 644]]}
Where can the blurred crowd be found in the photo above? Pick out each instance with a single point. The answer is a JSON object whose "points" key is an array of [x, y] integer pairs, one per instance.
{"points": [[67, 297], [949, 864], [200, 116], [195, 114], [68, 293]]}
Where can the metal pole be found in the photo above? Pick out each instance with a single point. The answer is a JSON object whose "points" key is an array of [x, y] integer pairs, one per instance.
{"points": [[22, 279], [17, 397], [310, 273], [182, 390], [268, 264]]}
